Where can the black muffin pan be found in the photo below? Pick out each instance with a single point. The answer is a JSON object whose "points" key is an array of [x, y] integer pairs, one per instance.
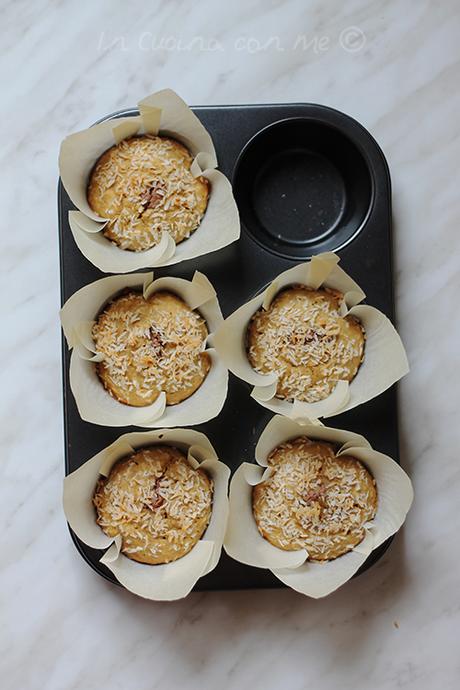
{"points": [[307, 179]]}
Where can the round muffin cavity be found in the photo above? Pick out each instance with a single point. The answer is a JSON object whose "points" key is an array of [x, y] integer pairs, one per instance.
{"points": [[156, 502], [149, 346], [314, 500], [144, 186], [303, 338]]}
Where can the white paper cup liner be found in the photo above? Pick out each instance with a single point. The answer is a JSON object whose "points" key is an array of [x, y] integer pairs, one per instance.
{"points": [[163, 113], [94, 403], [159, 582], [385, 360], [244, 543]]}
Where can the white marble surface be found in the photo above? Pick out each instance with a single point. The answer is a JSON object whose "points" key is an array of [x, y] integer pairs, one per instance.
{"points": [[65, 65]]}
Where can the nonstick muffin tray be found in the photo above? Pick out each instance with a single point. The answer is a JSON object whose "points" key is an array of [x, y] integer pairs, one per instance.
{"points": [[306, 179]]}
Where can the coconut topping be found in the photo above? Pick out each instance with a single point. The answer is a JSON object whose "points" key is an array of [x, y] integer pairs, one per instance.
{"points": [[314, 500], [305, 340], [149, 346], [157, 502], [144, 186]]}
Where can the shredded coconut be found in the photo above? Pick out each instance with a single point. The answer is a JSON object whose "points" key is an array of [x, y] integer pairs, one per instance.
{"points": [[304, 339]]}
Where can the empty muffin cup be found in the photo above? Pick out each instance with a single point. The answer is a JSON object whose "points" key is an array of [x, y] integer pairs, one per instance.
{"points": [[303, 186]]}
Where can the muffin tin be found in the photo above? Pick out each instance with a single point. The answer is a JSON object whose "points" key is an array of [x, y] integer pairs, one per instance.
{"points": [[307, 179]]}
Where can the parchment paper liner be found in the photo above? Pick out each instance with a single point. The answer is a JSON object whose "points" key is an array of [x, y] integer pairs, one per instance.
{"points": [[385, 360], [160, 582], [94, 403], [244, 543], [166, 113]]}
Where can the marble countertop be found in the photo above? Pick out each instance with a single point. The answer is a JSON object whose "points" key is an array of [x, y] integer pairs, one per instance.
{"points": [[395, 67]]}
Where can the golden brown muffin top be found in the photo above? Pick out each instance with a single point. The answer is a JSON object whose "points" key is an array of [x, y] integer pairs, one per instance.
{"points": [[314, 500], [157, 502], [144, 186], [151, 345], [303, 338]]}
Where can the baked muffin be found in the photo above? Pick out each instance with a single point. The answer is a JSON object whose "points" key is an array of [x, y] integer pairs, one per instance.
{"points": [[303, 338], [314, 500], [156, 502], [151, 346], [144, 186]]}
